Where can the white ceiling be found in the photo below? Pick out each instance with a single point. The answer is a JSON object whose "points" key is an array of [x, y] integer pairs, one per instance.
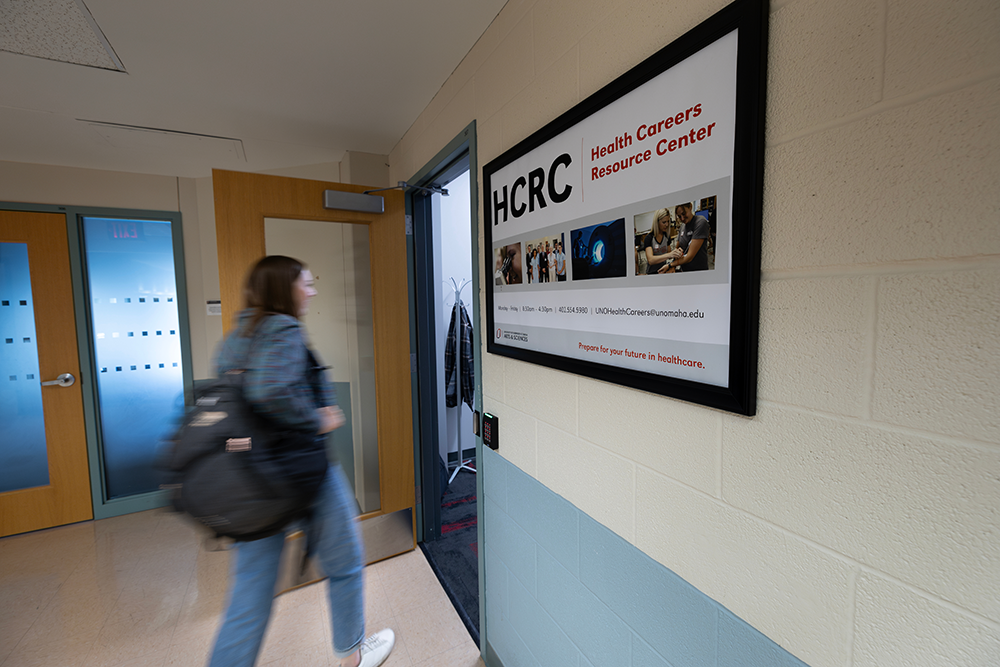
{"points": [[252, 85]]}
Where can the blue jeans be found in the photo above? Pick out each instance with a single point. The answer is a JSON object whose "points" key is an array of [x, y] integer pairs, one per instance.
{"points": [[335, 541]]}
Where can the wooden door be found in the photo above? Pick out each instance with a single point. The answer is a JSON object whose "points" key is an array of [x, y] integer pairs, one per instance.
{"points": [[242, 202], [57, 435]]}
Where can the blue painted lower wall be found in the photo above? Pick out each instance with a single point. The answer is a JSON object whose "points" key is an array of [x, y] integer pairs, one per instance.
{"points": [[563, 590]]}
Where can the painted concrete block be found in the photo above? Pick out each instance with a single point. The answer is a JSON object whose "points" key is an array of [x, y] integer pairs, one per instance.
{"points": [[672, 437], [558, 26], [552, 92], [495, 618], [673, 617], [632, 32], [862, 193], [511, 544], [489, 141], [493, 374], [815, 342], [474, 59], [792, 592], [929, 42], [402, 158], [441, 100], [599, 634], [921, 510], [508, 70], [548, 394], [894, 625], [496, 582], [824, 63], [448, 120], [512, 15], [742, 646], [644, 656], [549, 519], [546, 640], [493, 468], [463, 75], [937, 356], [518, 438], [593, 479], [511, 650]]}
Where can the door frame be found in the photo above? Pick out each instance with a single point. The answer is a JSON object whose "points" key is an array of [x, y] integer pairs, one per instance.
{"points": [[103, 507], [422, 289], [242, 202]]}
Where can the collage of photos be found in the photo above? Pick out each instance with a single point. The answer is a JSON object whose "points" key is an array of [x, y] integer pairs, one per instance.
{"points": [[677, 239]]}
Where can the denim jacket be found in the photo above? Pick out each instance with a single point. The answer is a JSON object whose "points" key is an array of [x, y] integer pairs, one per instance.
{"points": [[283, 381]]}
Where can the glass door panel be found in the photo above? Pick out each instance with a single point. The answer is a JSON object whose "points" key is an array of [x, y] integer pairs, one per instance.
{"points": [[44, 476], [136, 333], [24, 460], [341, 330]]}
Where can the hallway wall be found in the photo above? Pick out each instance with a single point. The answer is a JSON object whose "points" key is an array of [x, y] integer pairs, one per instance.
{"points": [[193, 197], [72, 186], [853, 521]]}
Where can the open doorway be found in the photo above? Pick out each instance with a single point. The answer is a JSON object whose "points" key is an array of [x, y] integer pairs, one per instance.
{"points": [[445, 304], [455, 358]]}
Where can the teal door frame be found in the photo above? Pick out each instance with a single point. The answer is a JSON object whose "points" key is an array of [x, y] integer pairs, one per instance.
{"points": [[102, 506], [463, 142]]}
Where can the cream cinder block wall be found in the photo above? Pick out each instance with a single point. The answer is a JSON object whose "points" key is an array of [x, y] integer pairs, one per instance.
{"points": [[365, 169], [855, 519]]}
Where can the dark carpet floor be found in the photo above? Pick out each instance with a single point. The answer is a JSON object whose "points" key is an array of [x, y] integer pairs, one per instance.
{"points": [[455, 557]]}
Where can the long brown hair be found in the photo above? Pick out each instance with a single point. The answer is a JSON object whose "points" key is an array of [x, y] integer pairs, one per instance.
{"points": [[269, 289]]}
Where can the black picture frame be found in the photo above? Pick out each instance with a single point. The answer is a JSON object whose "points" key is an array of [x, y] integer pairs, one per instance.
{"points": [[750, 19]]}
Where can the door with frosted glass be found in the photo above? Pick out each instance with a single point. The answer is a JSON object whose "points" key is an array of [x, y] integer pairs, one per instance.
{"points": [[135, 319], [44, 478], [359, 261]]}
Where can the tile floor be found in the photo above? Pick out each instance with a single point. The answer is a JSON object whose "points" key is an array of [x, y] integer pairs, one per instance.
{"points": [[141, 591]]}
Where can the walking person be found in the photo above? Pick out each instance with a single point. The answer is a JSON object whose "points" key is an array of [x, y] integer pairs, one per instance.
{"points": [[284, 383]]}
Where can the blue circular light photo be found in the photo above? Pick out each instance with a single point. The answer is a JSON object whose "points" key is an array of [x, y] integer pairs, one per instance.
{"points": [[597, 255], [598, 251]]}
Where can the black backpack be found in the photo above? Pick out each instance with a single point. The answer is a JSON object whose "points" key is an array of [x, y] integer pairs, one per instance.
{"points": [[236, 472]]}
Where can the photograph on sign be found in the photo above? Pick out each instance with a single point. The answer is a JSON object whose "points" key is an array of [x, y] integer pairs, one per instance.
{"points": [[625, 235]]}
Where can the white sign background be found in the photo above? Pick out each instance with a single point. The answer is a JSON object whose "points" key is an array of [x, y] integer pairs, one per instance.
{"points": [[674, 325]]}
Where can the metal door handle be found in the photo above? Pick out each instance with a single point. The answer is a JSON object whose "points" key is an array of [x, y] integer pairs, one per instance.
{"points": [[64, 380]]}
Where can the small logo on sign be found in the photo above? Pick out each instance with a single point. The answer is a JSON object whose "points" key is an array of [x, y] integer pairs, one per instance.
{"points": [[238, 445], [499, 332]]}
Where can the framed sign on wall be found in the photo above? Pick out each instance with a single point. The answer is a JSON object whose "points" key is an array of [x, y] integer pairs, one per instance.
{"points": [[623, 238]]}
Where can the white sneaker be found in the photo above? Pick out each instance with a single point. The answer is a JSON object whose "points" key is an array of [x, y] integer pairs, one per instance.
{"points": [[376, 648]]}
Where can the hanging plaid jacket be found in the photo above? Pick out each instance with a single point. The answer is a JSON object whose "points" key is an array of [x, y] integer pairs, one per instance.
{"points": [[463, 330]]}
